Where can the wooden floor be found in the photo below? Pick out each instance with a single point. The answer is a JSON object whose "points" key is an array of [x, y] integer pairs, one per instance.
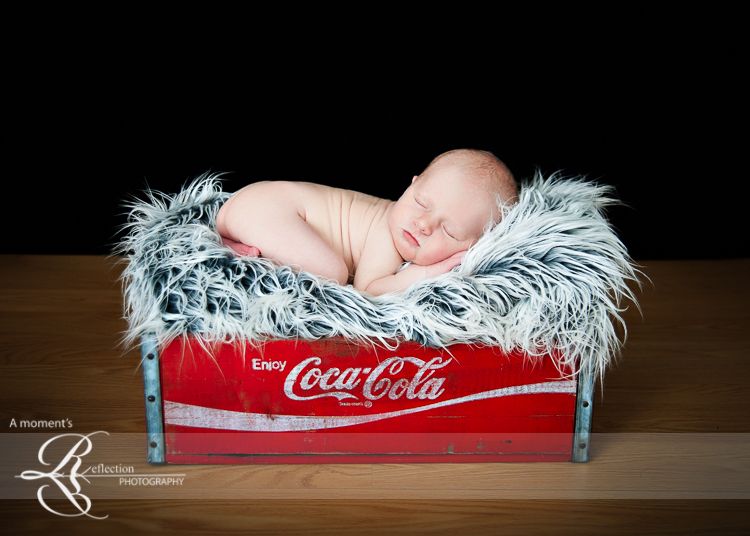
{"points": [[684, 370]]}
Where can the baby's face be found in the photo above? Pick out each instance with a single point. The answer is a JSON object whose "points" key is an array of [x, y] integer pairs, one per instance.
{"points": [[440, 214]]}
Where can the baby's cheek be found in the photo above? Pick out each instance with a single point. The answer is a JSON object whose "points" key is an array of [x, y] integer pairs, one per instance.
{"points": [[437, 255]]}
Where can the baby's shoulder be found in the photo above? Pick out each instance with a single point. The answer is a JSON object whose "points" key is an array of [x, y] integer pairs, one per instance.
{"points": [[312, 190], [337, 197], [290, 192]]}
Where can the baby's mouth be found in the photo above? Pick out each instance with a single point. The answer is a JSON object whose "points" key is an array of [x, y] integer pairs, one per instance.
{"points": [[410, 238]]}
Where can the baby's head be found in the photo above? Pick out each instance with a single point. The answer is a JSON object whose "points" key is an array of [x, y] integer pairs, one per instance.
{"points": [[449, 205]]}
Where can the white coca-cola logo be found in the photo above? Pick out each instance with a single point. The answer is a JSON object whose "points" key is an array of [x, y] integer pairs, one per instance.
{"points": [[378, 382]]}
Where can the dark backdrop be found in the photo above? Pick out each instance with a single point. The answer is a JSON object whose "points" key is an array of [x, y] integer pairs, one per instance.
{"points": [[78, 159], [651, 101]]}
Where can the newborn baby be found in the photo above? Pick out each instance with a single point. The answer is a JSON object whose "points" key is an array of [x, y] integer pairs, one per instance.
{"points": [[348, 236]]}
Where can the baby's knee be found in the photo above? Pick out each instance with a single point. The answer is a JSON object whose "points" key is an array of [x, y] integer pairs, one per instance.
{"points": [[221, 216]]}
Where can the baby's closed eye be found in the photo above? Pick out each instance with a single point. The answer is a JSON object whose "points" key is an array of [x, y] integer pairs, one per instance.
{"points": [[450, 235]]}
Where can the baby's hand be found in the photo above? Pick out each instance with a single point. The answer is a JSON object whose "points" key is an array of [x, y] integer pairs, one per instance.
{"points": [[444, 266], [413, 273]]}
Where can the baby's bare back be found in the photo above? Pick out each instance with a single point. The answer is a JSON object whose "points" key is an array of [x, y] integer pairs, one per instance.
{"points": [[344, 218], [321, 229]]}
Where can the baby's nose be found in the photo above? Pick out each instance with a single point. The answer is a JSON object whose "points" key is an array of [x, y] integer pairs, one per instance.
{"points": [[423, 227]]}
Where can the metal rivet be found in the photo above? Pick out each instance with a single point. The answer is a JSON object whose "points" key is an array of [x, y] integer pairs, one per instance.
{"points": [[152, 444], [585, 403], [150, 356], [581, 445], [151, 398]]}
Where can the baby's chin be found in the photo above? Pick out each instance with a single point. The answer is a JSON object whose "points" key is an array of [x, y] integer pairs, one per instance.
{"points": [[405, 254]]}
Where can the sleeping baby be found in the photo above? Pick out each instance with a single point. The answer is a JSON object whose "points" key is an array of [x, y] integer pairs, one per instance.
{"points": [[351, 237]]}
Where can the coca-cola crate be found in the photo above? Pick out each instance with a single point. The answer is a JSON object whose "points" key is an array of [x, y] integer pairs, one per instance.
{"points": [[333, 401]]}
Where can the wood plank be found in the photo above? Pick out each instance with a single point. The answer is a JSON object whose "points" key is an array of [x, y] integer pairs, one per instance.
{"points": [[447, 517]]}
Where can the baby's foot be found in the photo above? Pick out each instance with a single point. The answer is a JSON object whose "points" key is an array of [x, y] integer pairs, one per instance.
{"points": [[241, 249]]}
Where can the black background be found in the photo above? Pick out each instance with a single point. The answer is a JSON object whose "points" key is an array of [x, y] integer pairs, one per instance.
{"points": [[664, 124], [681, 202]]}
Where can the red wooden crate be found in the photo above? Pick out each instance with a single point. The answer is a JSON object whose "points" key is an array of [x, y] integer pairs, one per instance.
{"points": [[331, 401]]}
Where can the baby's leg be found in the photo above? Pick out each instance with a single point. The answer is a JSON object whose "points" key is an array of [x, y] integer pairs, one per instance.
{"points": [[266, 215]]}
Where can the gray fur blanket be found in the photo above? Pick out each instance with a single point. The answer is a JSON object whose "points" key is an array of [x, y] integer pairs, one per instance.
{"points": [[549, 278]]}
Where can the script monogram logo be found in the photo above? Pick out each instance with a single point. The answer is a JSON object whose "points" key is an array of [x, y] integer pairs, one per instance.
{"points": [[72, 490], [377, 383]]}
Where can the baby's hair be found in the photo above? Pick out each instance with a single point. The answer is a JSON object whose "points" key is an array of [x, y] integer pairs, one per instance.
{"points": [[496, 177]]}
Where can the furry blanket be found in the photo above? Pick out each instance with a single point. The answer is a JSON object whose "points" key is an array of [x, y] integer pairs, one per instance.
{"points": [[549, 278]]}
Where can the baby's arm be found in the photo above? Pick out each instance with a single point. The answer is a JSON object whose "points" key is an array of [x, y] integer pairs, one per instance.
{"points": [[380, 259], [412, 274], [266, 215]]}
